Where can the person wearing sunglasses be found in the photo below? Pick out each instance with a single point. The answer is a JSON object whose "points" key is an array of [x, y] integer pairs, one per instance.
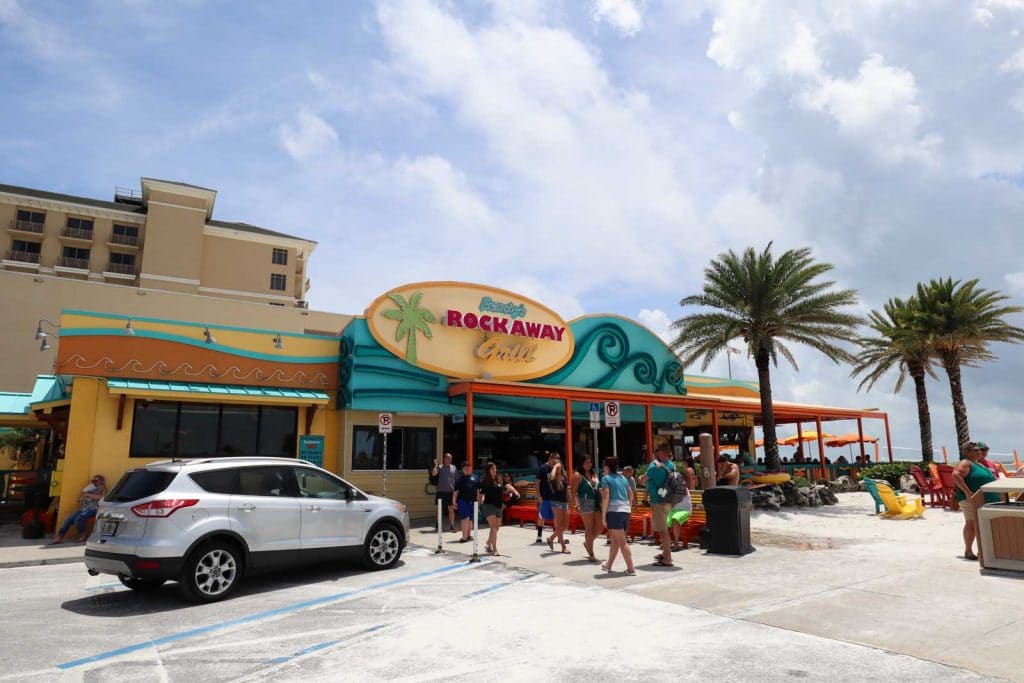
{"points": [[969, 475], [88, 503]]}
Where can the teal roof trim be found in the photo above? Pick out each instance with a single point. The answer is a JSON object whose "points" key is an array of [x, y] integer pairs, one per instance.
{"points": [[225, 390], [47, 388], [189, 323], [13, 403]]}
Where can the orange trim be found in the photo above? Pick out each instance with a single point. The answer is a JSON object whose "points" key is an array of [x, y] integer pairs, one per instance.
{"points": [[714, 434], [568, 439], [469, 427], [821, 448], [648, 432]]}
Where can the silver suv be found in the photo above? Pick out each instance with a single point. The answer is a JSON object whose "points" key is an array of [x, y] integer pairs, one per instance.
{"points": [[205, 522]]}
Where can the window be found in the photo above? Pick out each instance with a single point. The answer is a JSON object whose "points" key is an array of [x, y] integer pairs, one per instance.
{"points": [[137, 484], [25, 247], [217, 481], [266, 481], [202, 430], [122, 259], [31, 216], [278, 282], [75, 253], [280, 257], [83, 224], [409, 448], [126, 230], [313, 484]]}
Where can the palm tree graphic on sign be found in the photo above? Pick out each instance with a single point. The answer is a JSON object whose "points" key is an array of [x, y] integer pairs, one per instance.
{"points": [[412, 320]]}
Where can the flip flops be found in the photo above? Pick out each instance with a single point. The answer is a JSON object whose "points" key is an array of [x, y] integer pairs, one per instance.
{"points": [[661, 563]]}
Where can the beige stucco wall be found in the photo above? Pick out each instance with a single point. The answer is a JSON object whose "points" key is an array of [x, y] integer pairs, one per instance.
{"points": [[27, 297], [242, 266], [174, 244]]}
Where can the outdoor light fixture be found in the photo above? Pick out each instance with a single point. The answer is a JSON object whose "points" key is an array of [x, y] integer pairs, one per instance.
{"points": [[278, 344], [128, 329], [45, 346], [210, 339], [39, 328]]}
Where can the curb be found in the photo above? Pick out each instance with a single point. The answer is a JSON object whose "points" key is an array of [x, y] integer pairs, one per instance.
{"points": [[41, 562]]}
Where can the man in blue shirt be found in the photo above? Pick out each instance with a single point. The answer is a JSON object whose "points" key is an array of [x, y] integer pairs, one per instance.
{"points": [[657, 476]]}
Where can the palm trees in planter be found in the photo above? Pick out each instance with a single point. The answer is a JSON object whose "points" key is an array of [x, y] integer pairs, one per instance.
{"points": [[899, 343], [962, 320], [766, 301]]}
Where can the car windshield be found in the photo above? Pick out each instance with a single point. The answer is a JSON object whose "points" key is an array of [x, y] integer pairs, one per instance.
{"points": [[136, 484]]}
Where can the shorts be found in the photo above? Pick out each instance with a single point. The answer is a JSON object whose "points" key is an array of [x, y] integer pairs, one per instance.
{"points": [[465, 509], [588, 505], [659, 516], [678, 517], [970, 513], [617, 521], [445, 497], [491, 510], [558, 505], [545, 511]]}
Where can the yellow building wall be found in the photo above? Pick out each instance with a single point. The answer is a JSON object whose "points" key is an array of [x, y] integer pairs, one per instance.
{"points": [[406, 486]]}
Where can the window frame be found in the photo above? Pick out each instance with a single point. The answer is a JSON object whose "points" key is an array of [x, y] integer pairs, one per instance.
{"points": [[121, 229], [30, 216], [79, 221], [279, 257], [278, 277], [406, 434]]}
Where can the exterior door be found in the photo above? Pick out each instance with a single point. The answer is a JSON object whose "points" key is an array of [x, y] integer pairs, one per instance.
{"points": [[329, 517], [265, 511]]}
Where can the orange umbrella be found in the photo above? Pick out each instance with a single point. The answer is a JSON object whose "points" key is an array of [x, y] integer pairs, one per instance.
{"points": [[696, 449], [847, 439], [803, 436]]}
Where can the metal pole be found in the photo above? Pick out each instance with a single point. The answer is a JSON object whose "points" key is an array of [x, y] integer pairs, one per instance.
{"points": [[476, 518], [384, 492], [597, 452], [728, 359], [440, 536], [615, 444]]}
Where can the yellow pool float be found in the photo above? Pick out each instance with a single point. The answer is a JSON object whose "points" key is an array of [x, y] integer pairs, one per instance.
{"points": [[778, 478]]}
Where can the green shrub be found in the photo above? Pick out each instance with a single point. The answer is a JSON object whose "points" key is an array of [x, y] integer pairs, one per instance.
{"points": [[887, 471], [800, 482]]}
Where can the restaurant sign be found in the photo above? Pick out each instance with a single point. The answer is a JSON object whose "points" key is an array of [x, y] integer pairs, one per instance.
{"points": [[470, 331]]}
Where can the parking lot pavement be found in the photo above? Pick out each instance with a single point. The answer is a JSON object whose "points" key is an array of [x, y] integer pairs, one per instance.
{"points": [[431, 618]]}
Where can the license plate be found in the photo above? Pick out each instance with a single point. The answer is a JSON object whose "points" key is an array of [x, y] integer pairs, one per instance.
{"points": [[109, 528]]}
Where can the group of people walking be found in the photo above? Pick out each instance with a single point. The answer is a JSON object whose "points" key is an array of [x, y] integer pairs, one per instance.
{"points": [[604, 501]]}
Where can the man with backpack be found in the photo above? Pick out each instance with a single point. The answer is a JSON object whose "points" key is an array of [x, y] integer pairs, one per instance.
{"points": [[658, 473]]}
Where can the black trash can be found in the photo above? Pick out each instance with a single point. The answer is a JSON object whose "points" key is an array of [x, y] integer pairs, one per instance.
{"points": [[728, 510]]}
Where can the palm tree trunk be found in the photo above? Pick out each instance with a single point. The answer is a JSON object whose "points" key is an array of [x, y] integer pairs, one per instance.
{"points": [[951, 363], [924, 417], [771, 446]]}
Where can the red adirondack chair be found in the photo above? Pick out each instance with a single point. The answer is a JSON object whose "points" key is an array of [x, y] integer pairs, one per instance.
{"points": [[936, 495], [948, 485]]}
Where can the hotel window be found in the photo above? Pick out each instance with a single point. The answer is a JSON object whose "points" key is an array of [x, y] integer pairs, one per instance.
{"points": [[280, 257], [278, 282], [74, 257], [200, 430], [26, 247], [119, 259], [125, 234], [82, 224], [409, 448], [31, 216]]}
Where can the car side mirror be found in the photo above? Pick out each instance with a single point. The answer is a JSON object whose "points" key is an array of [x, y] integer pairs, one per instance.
{"points": [[349, 494]]}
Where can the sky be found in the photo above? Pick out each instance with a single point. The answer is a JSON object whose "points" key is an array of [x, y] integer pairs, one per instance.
{"points": [[594, 155]]}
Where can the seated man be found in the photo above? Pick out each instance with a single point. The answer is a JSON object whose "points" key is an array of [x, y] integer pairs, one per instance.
{"points": [[727, 473]]}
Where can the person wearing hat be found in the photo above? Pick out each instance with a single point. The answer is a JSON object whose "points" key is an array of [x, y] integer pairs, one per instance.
{"points": [[969, 475], [994, 467]]}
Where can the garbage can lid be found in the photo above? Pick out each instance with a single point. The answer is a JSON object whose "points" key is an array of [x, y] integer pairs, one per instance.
{"points": [[725, 495]]}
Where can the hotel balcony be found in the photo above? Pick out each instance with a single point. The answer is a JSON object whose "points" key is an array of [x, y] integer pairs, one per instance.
{"points": [[26, 227], [76, 236], [121, 271], [22, 259], [123, 242], [73, 263]]}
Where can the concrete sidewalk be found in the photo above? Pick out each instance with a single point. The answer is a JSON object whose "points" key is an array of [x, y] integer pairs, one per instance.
{"points": [[837, 572], [16, 551]]}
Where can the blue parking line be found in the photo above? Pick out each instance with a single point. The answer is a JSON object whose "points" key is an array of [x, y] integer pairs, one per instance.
{"points": [[311, 648], [181, 635]]}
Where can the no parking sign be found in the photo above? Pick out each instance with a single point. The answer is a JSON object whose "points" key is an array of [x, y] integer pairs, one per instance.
{"points": [[611, 414], [384, 423]]}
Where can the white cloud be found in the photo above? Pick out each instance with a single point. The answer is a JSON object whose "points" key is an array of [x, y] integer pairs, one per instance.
{"points": [[658, 322], [308, 137], [446, 187], [623, 15], [1015, 283]]}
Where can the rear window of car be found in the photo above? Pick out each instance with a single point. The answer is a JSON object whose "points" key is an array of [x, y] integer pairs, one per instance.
{"points": [[136, 484], [217, 481]]}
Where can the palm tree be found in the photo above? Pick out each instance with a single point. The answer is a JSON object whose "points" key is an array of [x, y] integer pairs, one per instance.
{"points": [[411, 320], [19, 443], [899, 344], [763, 300], [962, 320]]}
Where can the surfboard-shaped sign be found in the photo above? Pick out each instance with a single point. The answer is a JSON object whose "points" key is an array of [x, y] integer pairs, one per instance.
{"points": [[470, 331]]}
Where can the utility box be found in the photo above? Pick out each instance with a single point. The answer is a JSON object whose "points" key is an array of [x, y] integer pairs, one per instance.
{"points": [[728, 510], [1001, 527]]}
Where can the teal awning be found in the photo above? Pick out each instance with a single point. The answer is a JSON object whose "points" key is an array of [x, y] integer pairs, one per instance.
{"points": [[130, 386]]}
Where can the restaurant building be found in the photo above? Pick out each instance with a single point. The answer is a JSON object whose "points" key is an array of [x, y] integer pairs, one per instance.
{"points": [[481, 372]]}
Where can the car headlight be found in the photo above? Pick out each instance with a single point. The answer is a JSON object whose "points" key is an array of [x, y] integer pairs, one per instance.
{"points": [[401, 506]]}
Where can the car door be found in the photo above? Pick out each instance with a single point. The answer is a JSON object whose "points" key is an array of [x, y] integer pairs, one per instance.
{"points": [[265, 512], [331, 516]]}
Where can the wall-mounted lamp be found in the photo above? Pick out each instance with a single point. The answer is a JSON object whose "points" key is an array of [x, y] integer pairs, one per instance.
{"points": [[42, 336], [128, 329], [45, 346], [210, 339], [278, 343]]}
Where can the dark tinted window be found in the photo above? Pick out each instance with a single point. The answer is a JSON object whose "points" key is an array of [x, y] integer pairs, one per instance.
{"points": [[136, 484], [153, 430], [409, 448], [239, 427], [266, 481], [75, 252], [217, 481], [314, 484], [197, 430], [122, 259], [30, 247], [277, 431], [31, 216], [126, 230]]}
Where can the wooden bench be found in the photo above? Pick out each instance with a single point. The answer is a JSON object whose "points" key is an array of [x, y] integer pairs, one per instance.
{"points": [[526, 509], [698, 519], [640, 517]]}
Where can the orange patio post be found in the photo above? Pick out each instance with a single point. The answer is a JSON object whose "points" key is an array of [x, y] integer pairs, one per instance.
{"points": [[649, 433], [821, 449], [945, 455], [714, 433], [469, 427], [860, 434], [1016, 459], [888, 436], [568, 438]]}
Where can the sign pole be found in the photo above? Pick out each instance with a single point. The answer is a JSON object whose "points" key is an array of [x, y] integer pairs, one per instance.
{"points": [[384, 426], [384, 490], [440, 536], [613, 419], [615, 444], [476, 520]]}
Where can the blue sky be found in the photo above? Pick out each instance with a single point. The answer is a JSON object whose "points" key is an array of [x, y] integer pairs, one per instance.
{"points": [[593, 155]]}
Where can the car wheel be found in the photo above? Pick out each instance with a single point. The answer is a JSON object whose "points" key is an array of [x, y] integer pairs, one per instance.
{"points": [[137, 584], [212, 572], [383, 547]]}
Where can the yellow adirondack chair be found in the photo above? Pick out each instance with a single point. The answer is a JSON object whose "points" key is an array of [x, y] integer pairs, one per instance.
{"points": [[897, 507]]}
